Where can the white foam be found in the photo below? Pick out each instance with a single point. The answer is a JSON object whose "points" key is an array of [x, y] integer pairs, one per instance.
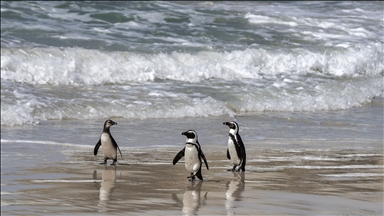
{"points": [[159, 189], [64, 181], [9, 193], [360, 155], [73, 66], [298, 158], [259, 19], [352, 175], [338, 167], [155, 163], [3, 141], [71, 180], [174, 85], [342, 167]]}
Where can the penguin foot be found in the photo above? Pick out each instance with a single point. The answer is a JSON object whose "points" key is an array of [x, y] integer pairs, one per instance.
{"points": [[105, 161], [114, 163], [233, 169], [191, 178]]}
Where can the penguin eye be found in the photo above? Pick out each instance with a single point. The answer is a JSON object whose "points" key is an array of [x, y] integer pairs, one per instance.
{"points": [[109, 122]]}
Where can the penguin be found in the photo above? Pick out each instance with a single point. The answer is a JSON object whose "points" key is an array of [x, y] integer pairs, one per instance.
{"points": [[236, 149], [108, 144], [193, 155]]}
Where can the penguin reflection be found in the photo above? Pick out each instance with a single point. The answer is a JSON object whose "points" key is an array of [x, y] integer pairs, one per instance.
{"points": [[234, 190], [108, 181], [191, 199]]}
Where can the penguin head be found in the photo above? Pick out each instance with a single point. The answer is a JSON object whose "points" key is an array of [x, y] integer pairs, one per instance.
{"points": [[233, 126], [109, 123], [191, 135]]}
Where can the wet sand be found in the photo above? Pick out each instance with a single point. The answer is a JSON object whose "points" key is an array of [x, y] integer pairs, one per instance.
{"points": [[278, 181], [326, 163]]}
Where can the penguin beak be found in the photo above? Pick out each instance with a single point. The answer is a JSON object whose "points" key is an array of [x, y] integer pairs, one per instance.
{"points": [[112, 122], [229, 124], [184, 133]]}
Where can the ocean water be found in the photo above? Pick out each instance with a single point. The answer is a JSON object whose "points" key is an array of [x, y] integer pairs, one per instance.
{"points": [[145, 60]]}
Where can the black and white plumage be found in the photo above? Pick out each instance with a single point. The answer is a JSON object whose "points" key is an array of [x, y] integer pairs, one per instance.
{"points": [[193, 155], [108, 144], [236, 150]]}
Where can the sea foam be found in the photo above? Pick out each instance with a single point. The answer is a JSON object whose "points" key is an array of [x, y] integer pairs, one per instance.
{"points": [[71, 66], [76, 83]]}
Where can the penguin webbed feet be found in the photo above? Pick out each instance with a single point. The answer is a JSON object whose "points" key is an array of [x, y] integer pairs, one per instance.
{"points": [[105, 162], [114, 163], [234, 169], [191, 178]]}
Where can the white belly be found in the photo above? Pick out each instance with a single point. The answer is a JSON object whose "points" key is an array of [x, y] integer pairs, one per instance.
{"points": [[109, 150], [192, 162], [232, 152]]}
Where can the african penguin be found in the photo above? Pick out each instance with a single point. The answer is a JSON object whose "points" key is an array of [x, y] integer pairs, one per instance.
{"points": [[193, 155], [236, 149], [108, 144]]}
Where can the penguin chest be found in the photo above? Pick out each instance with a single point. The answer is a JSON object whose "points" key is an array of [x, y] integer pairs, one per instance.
{"points": [[109, 150], [232, 152], [192, 161]]}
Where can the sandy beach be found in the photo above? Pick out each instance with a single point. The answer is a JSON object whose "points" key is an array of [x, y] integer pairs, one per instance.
{"points": [[277, 182]]}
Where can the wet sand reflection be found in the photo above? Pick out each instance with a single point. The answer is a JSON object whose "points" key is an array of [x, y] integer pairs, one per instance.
{"points": [[108, 183], [192, 198], [234, 190]]}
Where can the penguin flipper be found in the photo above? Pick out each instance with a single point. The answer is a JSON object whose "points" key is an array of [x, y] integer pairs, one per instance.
{"points": [[119, 150], [205, 160], [242, 152], [115, 144], [242, 148], [228, 155], [97, 146], [198, 174], [179, 156]]}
